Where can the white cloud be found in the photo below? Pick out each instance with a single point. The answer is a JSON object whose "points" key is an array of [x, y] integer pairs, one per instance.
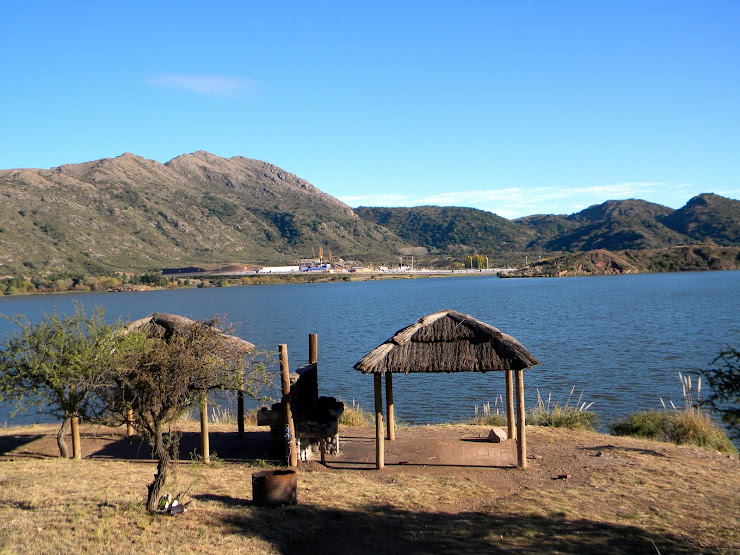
{"points": [[222, 86], [515, 202]]}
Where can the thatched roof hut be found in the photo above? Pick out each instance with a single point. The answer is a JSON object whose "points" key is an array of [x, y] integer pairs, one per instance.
{"points": [[448, 341], [166, 325], [169, 324]]}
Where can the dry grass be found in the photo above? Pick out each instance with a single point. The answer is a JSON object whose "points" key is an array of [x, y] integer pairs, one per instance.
{"points": [[622, 495], [355, 415], [687, 425]]}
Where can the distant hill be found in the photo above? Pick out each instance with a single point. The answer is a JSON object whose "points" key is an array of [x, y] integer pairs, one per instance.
{"points": [[707, 216], [131, 213], [450, 229], [604, 262], [637, 224], [613, 225]]}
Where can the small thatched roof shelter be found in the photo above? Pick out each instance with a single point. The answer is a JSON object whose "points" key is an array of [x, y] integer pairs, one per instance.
{"points": [[166, 325], [448, 341], [170, 324]]}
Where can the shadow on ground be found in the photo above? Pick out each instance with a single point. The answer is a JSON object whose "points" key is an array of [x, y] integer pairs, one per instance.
{"points": [[632, 449], [224, 445], [378, 530], [9, 444]]}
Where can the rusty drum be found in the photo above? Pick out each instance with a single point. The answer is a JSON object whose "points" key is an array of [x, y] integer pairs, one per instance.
{"points": [[275, 487]]}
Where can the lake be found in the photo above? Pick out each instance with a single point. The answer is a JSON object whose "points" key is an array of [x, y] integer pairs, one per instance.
{"points": [[621, 340]]}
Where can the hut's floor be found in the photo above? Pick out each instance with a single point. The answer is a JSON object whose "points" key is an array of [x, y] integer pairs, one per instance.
{"points": [[422, 447]]}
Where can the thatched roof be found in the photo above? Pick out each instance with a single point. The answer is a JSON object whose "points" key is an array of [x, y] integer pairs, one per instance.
{"points": [[447, 341], [172, 323]]}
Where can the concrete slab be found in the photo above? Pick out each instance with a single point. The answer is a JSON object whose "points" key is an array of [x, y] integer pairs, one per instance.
{"points": [[421, 447]]}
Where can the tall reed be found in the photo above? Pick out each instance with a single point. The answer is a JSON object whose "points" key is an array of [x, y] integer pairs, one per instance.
{"points": [[680, 426]]}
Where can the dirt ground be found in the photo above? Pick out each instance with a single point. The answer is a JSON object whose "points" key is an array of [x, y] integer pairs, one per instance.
{"points": [[440, 492], [554, 457]]}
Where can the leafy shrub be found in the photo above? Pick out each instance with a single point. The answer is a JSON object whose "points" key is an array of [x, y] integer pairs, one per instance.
{"points": [[679, 427], [724, 382]]}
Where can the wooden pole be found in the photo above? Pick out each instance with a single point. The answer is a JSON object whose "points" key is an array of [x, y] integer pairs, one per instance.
{"points": [[205, 446], [76, 450], [521, 441], [287, 411], [389, 406], [130, 423], [240, 411], [379, 445], [510, 404], [313, 348]]}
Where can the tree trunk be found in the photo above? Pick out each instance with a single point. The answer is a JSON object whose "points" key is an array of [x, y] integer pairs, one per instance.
{"points": [[63, 448], [163, 466], [76, 446]]}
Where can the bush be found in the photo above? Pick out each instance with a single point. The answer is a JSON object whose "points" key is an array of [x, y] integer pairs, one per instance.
{"points": [[490, 420], [356, 416], [724, 382], [679, 427], [552, 415], [569, 417], [547, 413]]}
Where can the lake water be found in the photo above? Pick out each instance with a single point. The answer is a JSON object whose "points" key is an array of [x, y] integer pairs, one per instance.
{"points": [[620, 339]]}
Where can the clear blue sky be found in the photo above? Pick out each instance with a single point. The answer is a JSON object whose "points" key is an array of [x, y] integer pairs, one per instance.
{"points": [[512, 107]]}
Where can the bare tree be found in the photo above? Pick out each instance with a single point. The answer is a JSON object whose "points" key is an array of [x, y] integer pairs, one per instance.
{"points": [[175, 363]]}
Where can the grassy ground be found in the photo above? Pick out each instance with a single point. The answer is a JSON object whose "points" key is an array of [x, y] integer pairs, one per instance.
{"points": [[583, 492]]}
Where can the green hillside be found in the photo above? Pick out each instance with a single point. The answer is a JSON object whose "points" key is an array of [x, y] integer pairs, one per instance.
{"points": [[604, 262], [450, 229], [613, 225], [707, 216], [131, 213]]}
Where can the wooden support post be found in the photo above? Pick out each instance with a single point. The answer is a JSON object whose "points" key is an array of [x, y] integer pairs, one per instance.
{"points": [[130, 423], [379, 445], [521, 440], [510, 405], [389, 406], [287, 411], [76, 450], [313, 358], [205, 446], [313, 348], [240, 411]]}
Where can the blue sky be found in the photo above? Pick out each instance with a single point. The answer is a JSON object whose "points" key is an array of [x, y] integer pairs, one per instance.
{"points": [[512, 107]]}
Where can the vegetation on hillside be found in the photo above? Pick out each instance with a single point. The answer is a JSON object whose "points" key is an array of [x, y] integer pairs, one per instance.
{"points": [[604, 262], [637, 224], [450, 229], [133, 215]]}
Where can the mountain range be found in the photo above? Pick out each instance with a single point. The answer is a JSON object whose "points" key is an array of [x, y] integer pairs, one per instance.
{"points": [[134, 214]]}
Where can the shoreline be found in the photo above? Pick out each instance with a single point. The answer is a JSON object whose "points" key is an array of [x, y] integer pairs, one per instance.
{"points": [[249, 280]]}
